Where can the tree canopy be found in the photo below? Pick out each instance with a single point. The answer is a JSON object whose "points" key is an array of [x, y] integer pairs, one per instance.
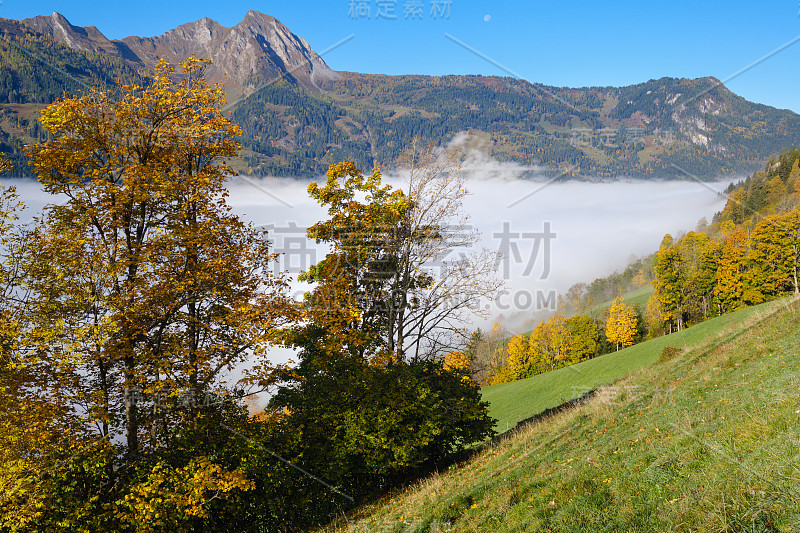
{"points": [[142, 291], [130, 300]]}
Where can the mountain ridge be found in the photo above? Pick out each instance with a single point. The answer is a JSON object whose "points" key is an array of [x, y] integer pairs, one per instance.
{"points": [[299, 116], [88, 39], [257, 50]]}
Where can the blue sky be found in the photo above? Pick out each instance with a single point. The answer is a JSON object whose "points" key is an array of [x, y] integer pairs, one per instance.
{"points": [[565, 43]]}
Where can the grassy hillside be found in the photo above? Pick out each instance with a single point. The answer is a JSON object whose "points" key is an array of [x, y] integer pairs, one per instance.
{"points": [[515, 401], [637, 297], [707, 440]]}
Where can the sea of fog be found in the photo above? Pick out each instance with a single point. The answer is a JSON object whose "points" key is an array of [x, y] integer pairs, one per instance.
{"points": [[548, 235]]}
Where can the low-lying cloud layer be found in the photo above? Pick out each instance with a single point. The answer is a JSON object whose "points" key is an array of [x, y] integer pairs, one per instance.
{"points": [[548, 235], [591, 229]]}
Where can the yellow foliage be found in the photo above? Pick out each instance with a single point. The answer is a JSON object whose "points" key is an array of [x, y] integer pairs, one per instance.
{"points": [[640, 280], [776, 190], [727, 227], [458, 363], [171, 497], [729, 289], [517, 360], [5, 165], [653, 314], [140, 265], [550, 342], [794, 176], [621, 324]]}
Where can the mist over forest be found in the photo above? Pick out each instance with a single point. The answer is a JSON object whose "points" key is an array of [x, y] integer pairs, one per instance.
{"points": [[587, 221]]}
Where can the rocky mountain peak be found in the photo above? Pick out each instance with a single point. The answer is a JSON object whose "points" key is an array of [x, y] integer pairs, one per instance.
{"points": [[86, 39], [59, 28], [255, 52], [256, 17]]}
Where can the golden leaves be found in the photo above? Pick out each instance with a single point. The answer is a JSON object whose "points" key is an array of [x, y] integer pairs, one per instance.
{"points": [[144, 278], [171, 497], [457, 362], [5, 165], [622, 323]]}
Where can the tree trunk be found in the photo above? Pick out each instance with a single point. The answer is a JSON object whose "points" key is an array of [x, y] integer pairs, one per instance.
{"points": [[131, 412]]}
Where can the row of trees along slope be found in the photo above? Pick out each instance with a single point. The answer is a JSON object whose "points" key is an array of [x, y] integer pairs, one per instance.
{"points": [[748, 255], [130, 297], [585, 327], [555, 342]]}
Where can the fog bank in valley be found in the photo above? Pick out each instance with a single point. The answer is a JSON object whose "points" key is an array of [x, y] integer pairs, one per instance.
{"points": [[590, 228]]}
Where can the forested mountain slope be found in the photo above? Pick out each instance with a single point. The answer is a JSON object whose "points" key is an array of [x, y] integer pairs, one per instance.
{"points": [[299, 116]]}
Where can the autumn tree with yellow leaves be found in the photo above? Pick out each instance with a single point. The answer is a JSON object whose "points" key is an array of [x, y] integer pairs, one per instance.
{"points": [[5, 164], [776, 254], [370, 398], [144, 289], [621, 324], [555, 342], [32, 432], [748, 255], [668, 285], [794, 177], [562, 341], [701, 276], [729, 291], [459, 363], [549, 343], [393, 275], [512, 361]]}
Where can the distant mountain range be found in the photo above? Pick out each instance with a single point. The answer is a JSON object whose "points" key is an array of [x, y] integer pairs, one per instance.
{"points": [[298, 115]]}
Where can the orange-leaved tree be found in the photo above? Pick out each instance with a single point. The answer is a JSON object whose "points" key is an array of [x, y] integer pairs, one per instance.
{"points": [[621, 325], [145, 287], [370, 398], [459, 363], [729, 292]]}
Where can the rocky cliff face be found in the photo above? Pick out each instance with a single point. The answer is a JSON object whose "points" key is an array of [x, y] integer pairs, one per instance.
{"points": [[88, 39], [257, 51], [692, 118]]}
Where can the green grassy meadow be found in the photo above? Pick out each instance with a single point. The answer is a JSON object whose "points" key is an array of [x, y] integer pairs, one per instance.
{"points": [[515, 401], [706, 440], [637, 297]]}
